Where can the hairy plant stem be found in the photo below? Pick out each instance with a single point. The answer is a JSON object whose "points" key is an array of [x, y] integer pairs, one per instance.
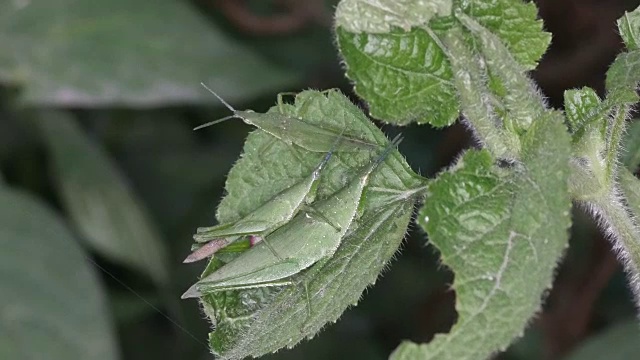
{"points": [[477, 107], [622, 229], [616, 131], [605, 202]]}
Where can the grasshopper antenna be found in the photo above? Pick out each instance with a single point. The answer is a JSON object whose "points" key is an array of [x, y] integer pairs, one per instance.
{"points": [[226, 104], [214, 122]]}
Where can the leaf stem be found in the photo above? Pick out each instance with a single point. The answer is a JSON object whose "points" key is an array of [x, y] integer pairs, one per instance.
{"points": [[621, 226], [616, 130], [470, 80]]}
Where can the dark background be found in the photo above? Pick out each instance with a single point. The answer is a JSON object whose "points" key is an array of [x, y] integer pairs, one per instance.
{"points": [[178, 175]]}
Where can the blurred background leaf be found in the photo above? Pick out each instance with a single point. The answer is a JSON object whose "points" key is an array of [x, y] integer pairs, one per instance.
{"points": [[124, 53], [99, 202], [620, 342], [126, 74], [52, 304]]}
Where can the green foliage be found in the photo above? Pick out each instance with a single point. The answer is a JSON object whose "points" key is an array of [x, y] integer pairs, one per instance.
{"points": [[101, 205], [62, 314], [101, 53], [254, 327], [505, 223], [131, 185], [500, 216], [598, 133], [629, 26], [403, 72], [618, 343]]}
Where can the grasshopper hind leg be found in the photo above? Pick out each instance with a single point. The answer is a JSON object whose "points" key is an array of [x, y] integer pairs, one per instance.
{"points": [[313, 212], [273, 251]]}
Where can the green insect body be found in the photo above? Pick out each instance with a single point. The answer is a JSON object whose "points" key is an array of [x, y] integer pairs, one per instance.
{"points": [[223, 245], [296, 131], [265, 219], [299, 243]]}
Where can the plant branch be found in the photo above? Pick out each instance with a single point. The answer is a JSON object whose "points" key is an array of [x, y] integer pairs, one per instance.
{"points": [[620, 226], [616, 131]]}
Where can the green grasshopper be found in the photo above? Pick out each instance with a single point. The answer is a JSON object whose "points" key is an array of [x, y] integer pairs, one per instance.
{"points": [[300, 243], [265, 219], [292, 130]]}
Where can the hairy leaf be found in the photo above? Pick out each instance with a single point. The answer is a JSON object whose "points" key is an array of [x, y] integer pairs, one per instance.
{"points": [[629, 27], [502, 232], [120, 52], [102, 206], [403, 72], [580, 106], [587, 117], [618, 214], [598, 126], [623, 77], [381, 16], [251, 322], [52, 304]]}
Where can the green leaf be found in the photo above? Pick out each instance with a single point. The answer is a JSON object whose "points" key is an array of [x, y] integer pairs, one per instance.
{"points": [[618, 342], [52, 303], [580, 105], [496, 98], [104, 209], [587, 116], [629, 27], [598, 126], [501, 231], [402, 70], [621, 83], [358, 16], [623, 77], [125, 53], [251, 322], [631, 146], [332, 286]]}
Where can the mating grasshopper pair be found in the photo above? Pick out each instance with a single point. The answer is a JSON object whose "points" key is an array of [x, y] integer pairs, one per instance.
{"points": [[293, 239]]}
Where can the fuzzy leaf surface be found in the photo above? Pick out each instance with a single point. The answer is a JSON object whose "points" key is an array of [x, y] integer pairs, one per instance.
{"points": [[629, 27], [580, 105], [623, 77], [255, 322], [101, 204], [403, 72], [502, 232], [52, 305]]}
